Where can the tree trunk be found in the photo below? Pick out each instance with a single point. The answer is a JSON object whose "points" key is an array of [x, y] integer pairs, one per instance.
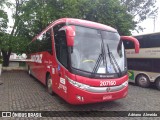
{"points": [[6, 56]]}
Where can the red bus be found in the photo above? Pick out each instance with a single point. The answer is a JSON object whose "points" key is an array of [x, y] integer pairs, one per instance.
{"points": [[81, 61]]}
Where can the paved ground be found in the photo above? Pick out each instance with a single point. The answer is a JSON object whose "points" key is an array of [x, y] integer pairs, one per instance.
{"points": [[20, 92]]}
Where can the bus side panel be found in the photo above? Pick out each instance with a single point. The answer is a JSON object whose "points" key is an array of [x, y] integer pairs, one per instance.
{"points": [[33, 66], [47, 66], [60, 82], [41, 67], [37, 66]]}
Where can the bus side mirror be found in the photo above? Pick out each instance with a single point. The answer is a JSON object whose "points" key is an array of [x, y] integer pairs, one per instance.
{"points": [[70, 34], [134, 40]]}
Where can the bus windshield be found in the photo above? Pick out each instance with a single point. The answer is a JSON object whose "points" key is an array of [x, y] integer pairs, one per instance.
{"points": [[97, 51]]}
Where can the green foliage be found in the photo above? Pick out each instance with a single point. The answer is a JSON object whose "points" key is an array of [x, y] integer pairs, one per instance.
{"points": [[140, 8], [18, 44], [37, 14], [120, 14], [3, 21]]}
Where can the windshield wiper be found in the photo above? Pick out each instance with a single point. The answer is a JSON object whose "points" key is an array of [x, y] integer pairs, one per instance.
{"points": [[102, 56], [97, 65], [113, 60]]}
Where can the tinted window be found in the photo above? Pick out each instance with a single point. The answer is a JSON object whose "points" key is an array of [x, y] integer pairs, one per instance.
{"points": [[139, 64], [155, 65], [149, 41], [128, 44], [149, 65], [146, 41], [61, 44], [42, 43]]}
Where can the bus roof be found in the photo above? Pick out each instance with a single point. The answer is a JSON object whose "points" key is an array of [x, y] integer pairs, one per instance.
{"points": [[85, 23], [89, 24], [146, 34], [77, 22]]}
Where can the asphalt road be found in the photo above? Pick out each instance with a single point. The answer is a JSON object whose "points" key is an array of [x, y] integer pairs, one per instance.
{"points": [[20, 92]]}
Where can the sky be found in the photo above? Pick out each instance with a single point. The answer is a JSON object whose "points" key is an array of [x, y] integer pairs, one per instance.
{"points": [[147, 24]]}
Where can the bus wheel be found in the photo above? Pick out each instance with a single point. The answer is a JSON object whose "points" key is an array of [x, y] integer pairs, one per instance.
{"points": [[143, 81], [49, 84], [158, 84]]}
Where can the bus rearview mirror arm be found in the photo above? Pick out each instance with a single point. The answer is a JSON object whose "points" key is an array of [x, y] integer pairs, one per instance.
{"points": [[70, 34], [134, 40]]}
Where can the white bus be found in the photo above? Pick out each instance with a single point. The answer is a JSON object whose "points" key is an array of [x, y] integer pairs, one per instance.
{"points": [[144, 68]]}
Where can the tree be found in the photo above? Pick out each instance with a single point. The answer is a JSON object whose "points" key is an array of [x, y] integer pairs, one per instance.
{"points": [[3, 20], [140, 10], [119, 14], [39, 13], [9, 43], [13, 42], [3, 17], [111, 13]]}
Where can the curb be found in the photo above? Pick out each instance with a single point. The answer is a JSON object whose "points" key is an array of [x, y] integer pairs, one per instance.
{"points": [[13, 68]]}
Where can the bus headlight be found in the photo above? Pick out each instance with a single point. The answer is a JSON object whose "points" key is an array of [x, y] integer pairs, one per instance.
{"points": [[77, 84], [125, 83]]}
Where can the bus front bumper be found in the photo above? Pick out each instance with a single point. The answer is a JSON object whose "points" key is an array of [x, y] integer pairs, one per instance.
{"points": [[79, 96]]}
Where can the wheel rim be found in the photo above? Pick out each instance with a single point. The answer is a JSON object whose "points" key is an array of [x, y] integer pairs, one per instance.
{"points": [[49, 85], [143, 80]]}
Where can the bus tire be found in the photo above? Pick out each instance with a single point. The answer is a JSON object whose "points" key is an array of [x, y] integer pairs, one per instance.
{"points": [[158, 83], [49, 84], [143, 81], [29, 71]]}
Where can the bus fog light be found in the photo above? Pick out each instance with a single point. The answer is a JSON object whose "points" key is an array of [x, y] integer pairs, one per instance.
{"points": [[80, 98]]}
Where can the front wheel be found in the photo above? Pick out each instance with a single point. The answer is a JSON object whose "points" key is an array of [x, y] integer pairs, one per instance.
{"points": [[158, 84], [49, 84], [143, 81]]}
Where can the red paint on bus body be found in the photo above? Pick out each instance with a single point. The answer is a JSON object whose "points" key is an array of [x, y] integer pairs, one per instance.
{"points": [[43, 63]]}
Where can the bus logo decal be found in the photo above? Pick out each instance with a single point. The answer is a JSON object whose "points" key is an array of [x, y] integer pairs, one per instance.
{"points": [[108, 89], [63, 81], [37, 58]]}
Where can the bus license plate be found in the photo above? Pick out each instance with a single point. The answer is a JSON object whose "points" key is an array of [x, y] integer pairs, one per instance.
{"points": [[107, 97]]}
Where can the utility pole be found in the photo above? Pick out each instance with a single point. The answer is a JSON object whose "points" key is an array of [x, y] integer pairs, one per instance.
{"points": [[154, 22]]}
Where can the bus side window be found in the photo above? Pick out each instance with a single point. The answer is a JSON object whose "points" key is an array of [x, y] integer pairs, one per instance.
{"points": [[48, 42], [119, 49], [41, 44], [60, 45], [128, 44], [34, 47], [45, 42]]}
